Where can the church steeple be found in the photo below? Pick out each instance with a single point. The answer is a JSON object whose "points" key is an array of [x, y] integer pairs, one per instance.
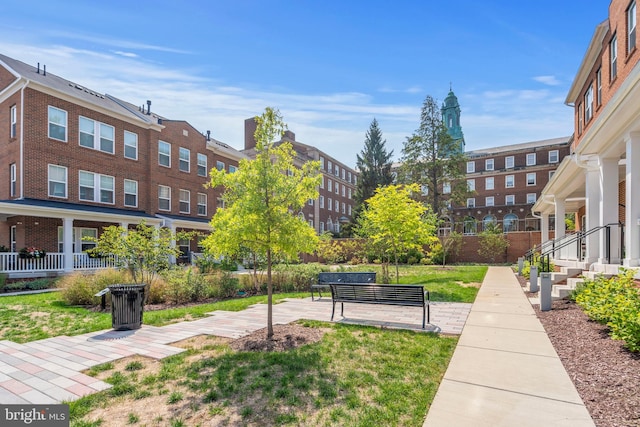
{"points": [[451, 118]]}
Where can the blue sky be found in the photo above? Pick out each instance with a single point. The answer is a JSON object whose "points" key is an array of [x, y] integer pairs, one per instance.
{"points": [[329, 66]]}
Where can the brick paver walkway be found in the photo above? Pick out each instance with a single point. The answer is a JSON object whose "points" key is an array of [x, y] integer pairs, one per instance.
{"points": [[50, 370]]}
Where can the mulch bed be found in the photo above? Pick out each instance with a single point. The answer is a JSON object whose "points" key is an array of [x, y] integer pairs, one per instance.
{"points": [[606, 375]]}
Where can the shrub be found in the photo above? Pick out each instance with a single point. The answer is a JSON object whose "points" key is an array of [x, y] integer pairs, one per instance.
{"points": [[616, 303], [79, 289]]}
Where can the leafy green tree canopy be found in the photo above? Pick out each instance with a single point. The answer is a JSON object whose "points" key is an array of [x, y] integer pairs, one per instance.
{"points": [[394, 223], [263, 200], [432, 159]]}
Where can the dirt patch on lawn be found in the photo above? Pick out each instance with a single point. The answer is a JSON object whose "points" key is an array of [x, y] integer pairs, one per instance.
{"points": [[285, 337]]}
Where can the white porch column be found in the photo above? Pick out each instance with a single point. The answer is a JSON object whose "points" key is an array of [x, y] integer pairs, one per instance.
{"points": [[592, 192], [172, 258], [609, 210], [632, 204], [67, 244], [544, 227], [560, 211]]}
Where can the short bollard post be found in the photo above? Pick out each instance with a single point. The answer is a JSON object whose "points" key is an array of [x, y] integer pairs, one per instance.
{"points": [[520, 265], [533, 279], [545, 291]]}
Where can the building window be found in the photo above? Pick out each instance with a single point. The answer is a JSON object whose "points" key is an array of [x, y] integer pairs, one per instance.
{"points": [[471, 167], [130, 193], [219, 203], [96, 188], [57, 181], [531, 198], [329, 185], [349, 210], [531, 179], [232, 169], [329, 166], [489, 183], [554, 156], [488, 164], [579, 118], [321, 163], [130, 145], [509, 181], [164, 154], [508, 162], [337, 187], [510, 200], [14, 179], [164, 198], [13, 233], [551, 173], [488, 221], [469, 225], [510, 223], [336, 171], [424, 190], [344, 208], [349, 176], [92, 131], [446, 188], [321, 227], [350, 193], [202, 204], [310, 202], [321, 199], [219, 165], [588, 104], [343, 173], [471, 202], [531, 159], [471, 185], [344, 191], [489, 201], [599, 87], [613, 58], [185, 201], [184, 156], [13, 131], [336, 206], [202, 164], [57, 124], [329, 203], [631, 27]]}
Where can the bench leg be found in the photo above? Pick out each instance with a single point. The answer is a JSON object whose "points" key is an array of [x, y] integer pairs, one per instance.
{"points": [[342, 309], [333, 310], [423, 314]]}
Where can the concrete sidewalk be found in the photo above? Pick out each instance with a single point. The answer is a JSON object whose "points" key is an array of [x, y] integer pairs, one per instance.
{"points": [[505, 371]]}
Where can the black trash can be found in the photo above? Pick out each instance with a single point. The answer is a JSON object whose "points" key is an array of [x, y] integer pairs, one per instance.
{"points": [[127, 303]]}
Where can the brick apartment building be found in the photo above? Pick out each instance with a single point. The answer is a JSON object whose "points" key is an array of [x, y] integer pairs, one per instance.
{"points": [[600, 180], [334, 206], [506, 181], [74, 160]]}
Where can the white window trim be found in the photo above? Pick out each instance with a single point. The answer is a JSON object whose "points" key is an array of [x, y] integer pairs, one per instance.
{"points": [[471, 202], [613, 57], [97, 188], [13, 130], [135, 147], [531, 156], [531, 196], [199, 199], [183, 201], [535, 179], [471, 185], [182, 160], [124, 189], [489, 201], [488, 180], [471, 167], [506, 181], [489, 164], [163, 155], [13, 184], [65, 126], [507, 160], [632, 26], [513, 200], [557, 156], [220, 165], [161, 198], [97, 135], [201, 160], [65, 182]]}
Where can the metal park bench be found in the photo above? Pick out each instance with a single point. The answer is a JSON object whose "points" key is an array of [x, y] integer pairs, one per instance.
{"points": [[341, 277], [363, 293]]}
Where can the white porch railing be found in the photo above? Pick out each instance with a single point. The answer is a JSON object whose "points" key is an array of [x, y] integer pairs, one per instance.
{"points": [[12, 262]]}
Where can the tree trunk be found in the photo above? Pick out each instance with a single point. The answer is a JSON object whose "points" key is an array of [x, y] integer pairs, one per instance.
{"points": [[269, 298]]}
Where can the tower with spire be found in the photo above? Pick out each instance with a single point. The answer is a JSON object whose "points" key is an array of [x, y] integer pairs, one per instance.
{"points": [[451, 118]]}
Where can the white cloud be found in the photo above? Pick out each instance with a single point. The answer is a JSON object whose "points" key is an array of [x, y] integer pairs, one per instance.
{"points": [[547, 80], [125, 54]]}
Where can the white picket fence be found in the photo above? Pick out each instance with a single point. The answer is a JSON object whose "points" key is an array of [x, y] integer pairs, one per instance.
{"points": [[12, 262]]}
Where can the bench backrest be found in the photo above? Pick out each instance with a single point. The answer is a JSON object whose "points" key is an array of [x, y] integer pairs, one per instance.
{"points": [[381, 294], [347, 277]]}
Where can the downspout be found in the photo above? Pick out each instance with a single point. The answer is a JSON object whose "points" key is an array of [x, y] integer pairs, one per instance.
{"points": [[26, 83]]}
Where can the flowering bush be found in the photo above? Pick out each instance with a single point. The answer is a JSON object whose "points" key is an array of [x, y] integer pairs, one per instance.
{"points": [[32, 252]]}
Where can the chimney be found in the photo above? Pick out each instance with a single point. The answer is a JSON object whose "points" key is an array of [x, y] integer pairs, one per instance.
{"points": [[250, 127], [44, 70], [289, 135], [38, 71], [148, 107], [208, 135]]}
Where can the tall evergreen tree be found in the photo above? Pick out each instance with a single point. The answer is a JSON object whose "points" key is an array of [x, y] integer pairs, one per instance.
{"points": [[431, 158], [374, 165]]}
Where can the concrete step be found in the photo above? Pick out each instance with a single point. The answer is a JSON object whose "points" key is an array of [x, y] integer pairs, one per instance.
{"points": [[574, 281], [558, 277], [561, 291], [571, 271], [593, 274]]}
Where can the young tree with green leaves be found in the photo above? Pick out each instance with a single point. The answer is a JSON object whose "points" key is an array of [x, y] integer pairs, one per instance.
{"points": [[493, 242], [374, 165], [394, 224], [431, 158], [262, 201], [144, 251]]}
